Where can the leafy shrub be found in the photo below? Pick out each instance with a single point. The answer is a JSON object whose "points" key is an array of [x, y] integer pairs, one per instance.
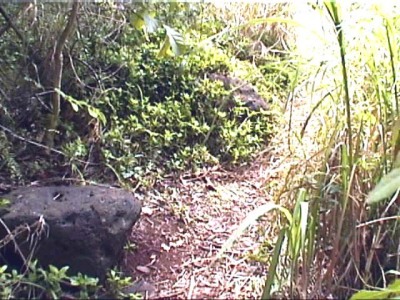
{"points": [[168, 114], [155, 111]]}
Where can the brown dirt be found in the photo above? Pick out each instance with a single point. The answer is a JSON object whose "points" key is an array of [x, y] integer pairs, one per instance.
{"points": [[183, 226], [185, 222]]}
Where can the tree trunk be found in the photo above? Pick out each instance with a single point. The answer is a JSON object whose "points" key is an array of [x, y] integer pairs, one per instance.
{"points": [[56, 69]]}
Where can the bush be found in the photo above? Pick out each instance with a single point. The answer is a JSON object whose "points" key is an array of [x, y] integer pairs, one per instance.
{"points": [[161, 113], [168, 114]]}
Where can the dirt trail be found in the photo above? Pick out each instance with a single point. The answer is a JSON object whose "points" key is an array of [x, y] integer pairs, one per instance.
{"points": [[185, 222]]}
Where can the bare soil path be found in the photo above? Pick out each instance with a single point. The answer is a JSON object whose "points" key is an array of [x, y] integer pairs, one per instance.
{"points": [[185, 222], [183, 225]]}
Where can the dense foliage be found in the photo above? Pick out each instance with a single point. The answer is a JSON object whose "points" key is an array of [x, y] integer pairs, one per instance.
{"points": [[121, 92], [137, 99]]}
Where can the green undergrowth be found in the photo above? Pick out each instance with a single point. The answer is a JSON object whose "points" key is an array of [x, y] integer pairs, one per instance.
{"points": [[55, 283], [146, 112], [137, 102], [170, 115]]}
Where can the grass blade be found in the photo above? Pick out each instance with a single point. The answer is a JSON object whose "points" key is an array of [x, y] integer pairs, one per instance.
{"points": [[250, 219], [272, 270]]}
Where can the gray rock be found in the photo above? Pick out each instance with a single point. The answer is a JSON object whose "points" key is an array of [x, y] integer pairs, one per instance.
{"points": [[87, 226], [243, 90]]}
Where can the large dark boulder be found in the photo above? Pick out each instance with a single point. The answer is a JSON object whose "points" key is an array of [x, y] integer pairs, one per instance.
{"points": [[86, 227]]}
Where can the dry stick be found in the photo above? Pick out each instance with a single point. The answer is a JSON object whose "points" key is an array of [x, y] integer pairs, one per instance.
{"points": [[291, 98], [96, 76], [378, 221], [9, 23], [74, 71], [30, 141], [2, 93], [10, 234]]}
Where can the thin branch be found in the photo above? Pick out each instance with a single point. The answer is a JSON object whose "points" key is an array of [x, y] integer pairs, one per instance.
{"points": [[12, 238], [30, 141], [4, 95], [67, 30], [378, 221], [78, 79], [11, 24], [4, 29]]}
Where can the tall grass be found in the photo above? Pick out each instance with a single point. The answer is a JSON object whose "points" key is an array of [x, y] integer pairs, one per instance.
{"points": [[336, 243], [347, 253]]}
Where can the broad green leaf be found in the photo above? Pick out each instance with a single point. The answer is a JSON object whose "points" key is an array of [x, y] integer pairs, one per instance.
{"points": [[75, 107], [150, 23], [93, 112], [4, 202], [387, 186], [273, 267], [361, 295], [97, 114], [396, 143], [164, 48], [175, 40], [395, 286], [298, 229], [144, 20], [137, 21], [304, 207], [334, 10], [76, 104], [391, 292], [53, 269]]}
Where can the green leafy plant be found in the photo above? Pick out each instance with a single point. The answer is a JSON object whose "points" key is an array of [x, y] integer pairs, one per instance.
{"points": [[176, 115], [55, 283], [387, 186], [77, 104], [390, 292], [117, 283], [87, 285], [38, 282]]}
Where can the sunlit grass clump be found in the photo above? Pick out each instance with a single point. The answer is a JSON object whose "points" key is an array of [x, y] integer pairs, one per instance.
{"points": [[359, 108], [339, 239]]}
